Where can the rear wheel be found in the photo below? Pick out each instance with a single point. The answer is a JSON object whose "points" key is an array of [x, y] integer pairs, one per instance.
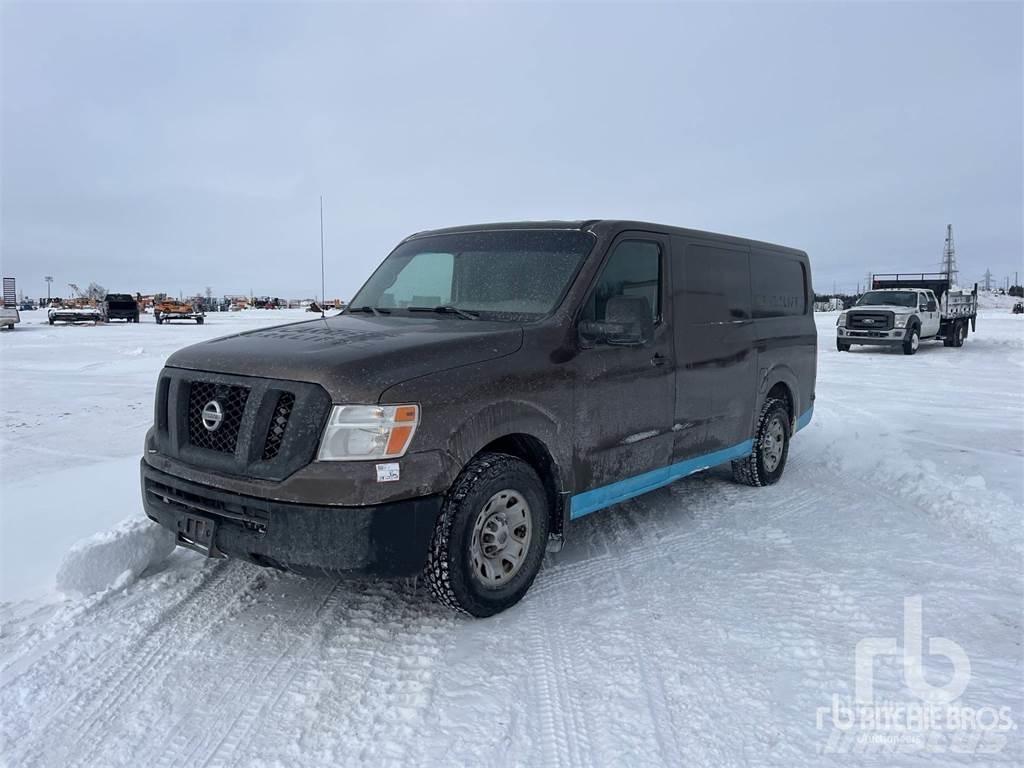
{"points": [[912, 342], [767, 460], [490, 537], [959, 334]]}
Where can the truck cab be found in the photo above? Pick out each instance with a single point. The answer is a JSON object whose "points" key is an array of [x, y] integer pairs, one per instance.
{"points": [[487, 387]]}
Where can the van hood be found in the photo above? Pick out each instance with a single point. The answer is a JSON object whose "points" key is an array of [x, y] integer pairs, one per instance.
{"points": [[355, 358]]}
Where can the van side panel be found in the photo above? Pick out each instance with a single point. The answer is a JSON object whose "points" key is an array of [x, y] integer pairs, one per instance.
{"points": [[785, 337], [716, 364]]}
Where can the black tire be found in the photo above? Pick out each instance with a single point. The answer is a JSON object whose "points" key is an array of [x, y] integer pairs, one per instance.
{"points": [[752, 469], [199, 321], [913, 340], [449, 570], [51, 321], [159, 320], [842, 347], [959, 334]]}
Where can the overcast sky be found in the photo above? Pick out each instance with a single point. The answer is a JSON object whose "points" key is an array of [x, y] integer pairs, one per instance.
{"points": [[174, 147]]}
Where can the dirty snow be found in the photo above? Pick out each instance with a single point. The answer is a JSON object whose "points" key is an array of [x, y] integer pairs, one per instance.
{"points": [[703, 624]]}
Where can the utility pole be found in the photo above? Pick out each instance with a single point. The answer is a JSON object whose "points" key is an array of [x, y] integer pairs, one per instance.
{"points": [[988, 279], [949, 257], [48, 279]]}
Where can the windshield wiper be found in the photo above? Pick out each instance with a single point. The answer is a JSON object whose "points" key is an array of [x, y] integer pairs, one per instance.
{"points": [[446, 309], [375, 311]]}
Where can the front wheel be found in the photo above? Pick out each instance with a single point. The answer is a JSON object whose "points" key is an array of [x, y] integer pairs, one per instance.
{"points": [[912, 342], [767, 459], [490, 537]]}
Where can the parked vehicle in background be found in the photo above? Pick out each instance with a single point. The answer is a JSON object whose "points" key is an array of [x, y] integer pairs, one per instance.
{"points": [[75, 311], [171, 309], [487, 386], [9, 315], [1018, 308], [122, 306], [902, 310]]}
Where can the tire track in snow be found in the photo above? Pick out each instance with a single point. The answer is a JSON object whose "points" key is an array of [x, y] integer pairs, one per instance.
{"points": [[274, 682], [106, 670], [175, 633], [231, 683]]}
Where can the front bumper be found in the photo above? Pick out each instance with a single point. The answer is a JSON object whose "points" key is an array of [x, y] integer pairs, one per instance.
{"points": [[886, 338], [389, 539]]}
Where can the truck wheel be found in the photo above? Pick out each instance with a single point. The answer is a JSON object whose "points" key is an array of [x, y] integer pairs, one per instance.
{"points": [[959, 334], [767, 460], [159, 320], [912, 342], [490, 537], [842, 347], [199, 321]]}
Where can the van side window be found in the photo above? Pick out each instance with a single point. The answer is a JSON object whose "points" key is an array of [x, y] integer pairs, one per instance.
{"points": [[633, 270], [715, 285], [779, 285]]}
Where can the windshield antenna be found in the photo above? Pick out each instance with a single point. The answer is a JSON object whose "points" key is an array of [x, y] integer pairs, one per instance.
{"points": [[323, 290]]}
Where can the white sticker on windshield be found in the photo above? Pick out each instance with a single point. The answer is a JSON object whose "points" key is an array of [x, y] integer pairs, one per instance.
{"points": [[387, 473]]}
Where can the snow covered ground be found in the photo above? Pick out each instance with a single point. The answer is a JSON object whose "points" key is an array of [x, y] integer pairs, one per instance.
{"points": [[703, 624]]}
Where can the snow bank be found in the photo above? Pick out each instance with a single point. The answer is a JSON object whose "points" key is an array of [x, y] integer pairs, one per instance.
{"points": [[113, 558]]}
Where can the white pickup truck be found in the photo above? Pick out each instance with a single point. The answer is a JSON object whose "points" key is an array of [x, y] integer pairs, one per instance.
{"points": [[904, 310]]}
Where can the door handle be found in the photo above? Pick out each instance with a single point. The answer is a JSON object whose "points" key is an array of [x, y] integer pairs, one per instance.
{"points": [[658, 359]]}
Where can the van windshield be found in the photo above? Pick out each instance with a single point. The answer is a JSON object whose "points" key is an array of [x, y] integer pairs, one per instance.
{"points": [[499, 275], [892, 298]]}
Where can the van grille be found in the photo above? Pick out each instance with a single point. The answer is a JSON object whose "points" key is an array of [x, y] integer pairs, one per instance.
{"points": [[278, 425], [232, 399], [269, 428]]}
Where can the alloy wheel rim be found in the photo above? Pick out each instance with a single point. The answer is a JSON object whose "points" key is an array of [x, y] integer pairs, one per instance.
{"points": [[914, 340], [501, 538]]}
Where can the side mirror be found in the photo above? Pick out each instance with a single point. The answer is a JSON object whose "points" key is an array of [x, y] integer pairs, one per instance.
{"points": [[627, 323]]}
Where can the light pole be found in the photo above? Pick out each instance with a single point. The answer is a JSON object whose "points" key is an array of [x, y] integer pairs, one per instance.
{"points": [[48, 279]]}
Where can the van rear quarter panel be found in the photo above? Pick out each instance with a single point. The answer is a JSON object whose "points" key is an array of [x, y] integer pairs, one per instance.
{"points": [[787, 346]]}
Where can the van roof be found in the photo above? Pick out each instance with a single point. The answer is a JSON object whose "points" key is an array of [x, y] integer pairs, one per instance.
{"points": [[608, 227]]}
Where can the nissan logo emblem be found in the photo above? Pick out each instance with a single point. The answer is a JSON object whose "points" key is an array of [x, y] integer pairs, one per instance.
{"points": [[212, 416]]}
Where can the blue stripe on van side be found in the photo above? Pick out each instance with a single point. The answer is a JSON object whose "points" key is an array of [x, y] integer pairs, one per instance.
{"points": [[598, 498], [805, 418]]}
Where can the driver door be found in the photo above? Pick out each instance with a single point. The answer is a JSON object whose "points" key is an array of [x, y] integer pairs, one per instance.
{"points": [[625, 390]]}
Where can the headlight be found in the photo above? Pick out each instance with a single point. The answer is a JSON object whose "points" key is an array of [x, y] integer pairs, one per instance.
{"points": [[901, 321], [359, 432], [842, 319]]}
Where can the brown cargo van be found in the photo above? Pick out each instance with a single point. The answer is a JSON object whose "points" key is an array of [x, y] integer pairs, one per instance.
{"points": [[487, 386]]}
